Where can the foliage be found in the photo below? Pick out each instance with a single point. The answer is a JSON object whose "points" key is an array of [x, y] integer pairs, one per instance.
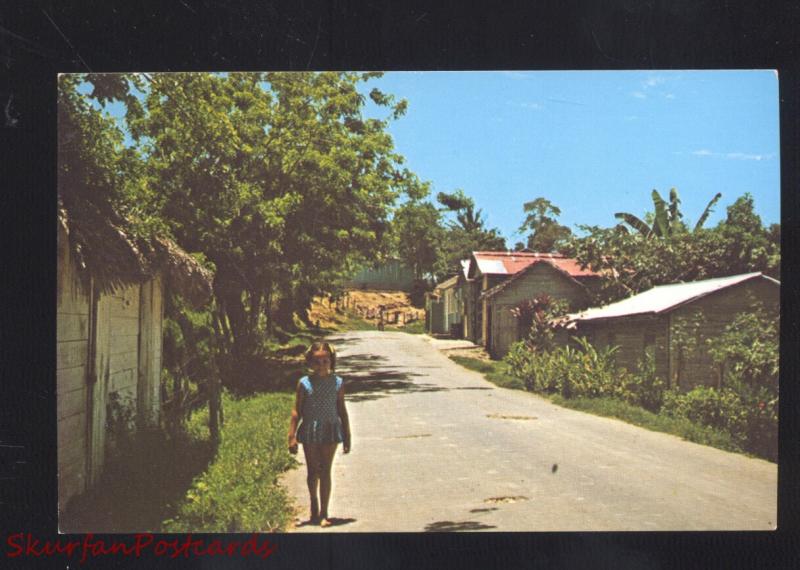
{"points": [[546, 234], [668, 220], [418, 236], [633, 262], [585, 371], [644, 387], [466, 234], [535, 320], [239, 491]]}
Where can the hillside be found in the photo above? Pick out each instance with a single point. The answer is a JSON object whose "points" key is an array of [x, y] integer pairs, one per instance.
{"points": [[396, 305]]}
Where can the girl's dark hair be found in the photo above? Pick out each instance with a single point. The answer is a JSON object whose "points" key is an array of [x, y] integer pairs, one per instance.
{"points": [[321, 345]]}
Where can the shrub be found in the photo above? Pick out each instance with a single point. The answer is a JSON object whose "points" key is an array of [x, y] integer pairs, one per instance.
{"points": [[708, 406], [645, 389]]}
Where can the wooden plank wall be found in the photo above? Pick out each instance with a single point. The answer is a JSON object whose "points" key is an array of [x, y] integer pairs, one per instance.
{"points": [[149, 373], [630, 335], [716, 312], [72, 347]]}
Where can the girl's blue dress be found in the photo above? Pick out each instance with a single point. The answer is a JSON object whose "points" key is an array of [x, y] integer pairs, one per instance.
{"points": [[319, 418]]}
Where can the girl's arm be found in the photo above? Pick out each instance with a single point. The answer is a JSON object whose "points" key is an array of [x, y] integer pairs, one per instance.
{"points": [[298, 405], [342, 409]]}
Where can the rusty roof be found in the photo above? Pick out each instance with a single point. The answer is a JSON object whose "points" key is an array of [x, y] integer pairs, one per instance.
{"points": [[512, 262], [519, 274]]}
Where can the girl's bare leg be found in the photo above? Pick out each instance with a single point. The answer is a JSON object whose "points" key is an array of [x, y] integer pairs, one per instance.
{"points": [[313, 465], [327, 452]]}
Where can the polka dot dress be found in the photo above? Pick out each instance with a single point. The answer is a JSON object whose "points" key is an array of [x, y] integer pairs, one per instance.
{"points": [[320, 421]]}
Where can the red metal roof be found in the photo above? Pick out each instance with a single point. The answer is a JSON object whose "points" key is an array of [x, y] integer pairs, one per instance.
{"points": [[512, 262]]}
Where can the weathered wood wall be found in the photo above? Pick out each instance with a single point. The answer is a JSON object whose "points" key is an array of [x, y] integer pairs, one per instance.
{"points": [[541, 278], [632, 335], [108, 361], [72, 349], [712, 314]]}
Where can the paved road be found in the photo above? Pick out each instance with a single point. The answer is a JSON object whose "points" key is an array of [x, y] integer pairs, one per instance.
{"points": [[438, 448]]}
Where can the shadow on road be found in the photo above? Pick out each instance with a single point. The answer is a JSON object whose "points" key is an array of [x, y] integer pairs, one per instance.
{"points": [[450, 526], [367, 380]]}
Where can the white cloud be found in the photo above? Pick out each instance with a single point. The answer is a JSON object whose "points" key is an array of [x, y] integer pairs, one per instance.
{"points": [[732, 155], [639, 95], [536, 106], [669, 96], [652, 81], [631, 118]]}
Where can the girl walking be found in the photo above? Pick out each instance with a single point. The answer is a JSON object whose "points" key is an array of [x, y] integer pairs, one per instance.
{"points": [[323, 424]]}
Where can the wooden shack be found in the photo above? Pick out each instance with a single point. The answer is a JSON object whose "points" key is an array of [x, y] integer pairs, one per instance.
{"points": [[558, 277], [675, 321], [391, 275], [110, 304]]}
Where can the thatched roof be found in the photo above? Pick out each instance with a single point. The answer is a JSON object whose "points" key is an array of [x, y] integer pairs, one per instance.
{"points": [[104, 250]]}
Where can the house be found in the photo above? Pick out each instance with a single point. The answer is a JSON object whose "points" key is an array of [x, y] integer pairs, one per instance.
{"points": [[109, 336], [557, 276], [674, 321], [393, 275]]}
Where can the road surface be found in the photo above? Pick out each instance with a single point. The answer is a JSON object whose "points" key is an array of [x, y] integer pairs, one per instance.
{"points": [[438, 448]]}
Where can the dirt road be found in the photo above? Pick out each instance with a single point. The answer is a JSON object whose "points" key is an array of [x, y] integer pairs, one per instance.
{"points": [[438, 448]]}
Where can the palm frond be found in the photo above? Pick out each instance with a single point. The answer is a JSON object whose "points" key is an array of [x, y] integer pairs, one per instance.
{"points": [[707, 212]]}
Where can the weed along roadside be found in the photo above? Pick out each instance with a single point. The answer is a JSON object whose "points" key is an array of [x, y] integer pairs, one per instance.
{"points": [[500, 374]]}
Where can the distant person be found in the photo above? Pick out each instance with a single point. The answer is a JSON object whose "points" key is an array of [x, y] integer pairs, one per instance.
{"points": [[323, 425]]}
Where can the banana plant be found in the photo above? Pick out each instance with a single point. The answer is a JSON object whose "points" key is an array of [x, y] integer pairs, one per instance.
{"points": [[668, 217]]}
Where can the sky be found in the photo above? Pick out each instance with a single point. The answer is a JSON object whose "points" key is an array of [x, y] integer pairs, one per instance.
{"points": [[592, 142]]}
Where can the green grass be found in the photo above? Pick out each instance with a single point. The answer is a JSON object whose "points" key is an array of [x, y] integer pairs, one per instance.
{"points": [[239, 492], [681, 427], [495, 372]]}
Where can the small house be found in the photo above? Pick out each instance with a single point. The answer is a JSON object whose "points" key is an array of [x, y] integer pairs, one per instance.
{"points": [[674, 321], [559, 277], [110, 304]]}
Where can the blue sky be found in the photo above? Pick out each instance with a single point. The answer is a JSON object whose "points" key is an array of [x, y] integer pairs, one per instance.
{"points": [[593, 143]]}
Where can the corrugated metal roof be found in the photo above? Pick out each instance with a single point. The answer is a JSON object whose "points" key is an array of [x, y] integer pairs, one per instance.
{"points": [[511, 262], [663, 298], [451, 282]]}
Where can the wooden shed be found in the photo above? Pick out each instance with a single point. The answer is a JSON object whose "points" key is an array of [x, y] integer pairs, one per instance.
{"points": [[109, 336], [560, 278], [675, 320]]}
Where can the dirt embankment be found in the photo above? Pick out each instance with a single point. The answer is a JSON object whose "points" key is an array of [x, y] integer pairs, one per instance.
{"points": [[396, 307]]}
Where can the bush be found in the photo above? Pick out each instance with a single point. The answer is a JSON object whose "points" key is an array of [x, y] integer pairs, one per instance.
{"points": [[586, 372], [645, 389], [721, 409]]}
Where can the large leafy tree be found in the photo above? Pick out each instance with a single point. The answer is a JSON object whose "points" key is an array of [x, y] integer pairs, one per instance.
{"points": [[545, 233], [277, 178], [418, 235]]}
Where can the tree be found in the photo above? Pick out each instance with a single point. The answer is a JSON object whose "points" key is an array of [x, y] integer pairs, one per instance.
{"points": [[418, 235], [465, 234], [667, 218], [546, 234]]}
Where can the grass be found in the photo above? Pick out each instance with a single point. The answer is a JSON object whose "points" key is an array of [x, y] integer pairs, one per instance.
{"points": [[492, 370], [354, 322], [495, 372], [239, 492]]}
